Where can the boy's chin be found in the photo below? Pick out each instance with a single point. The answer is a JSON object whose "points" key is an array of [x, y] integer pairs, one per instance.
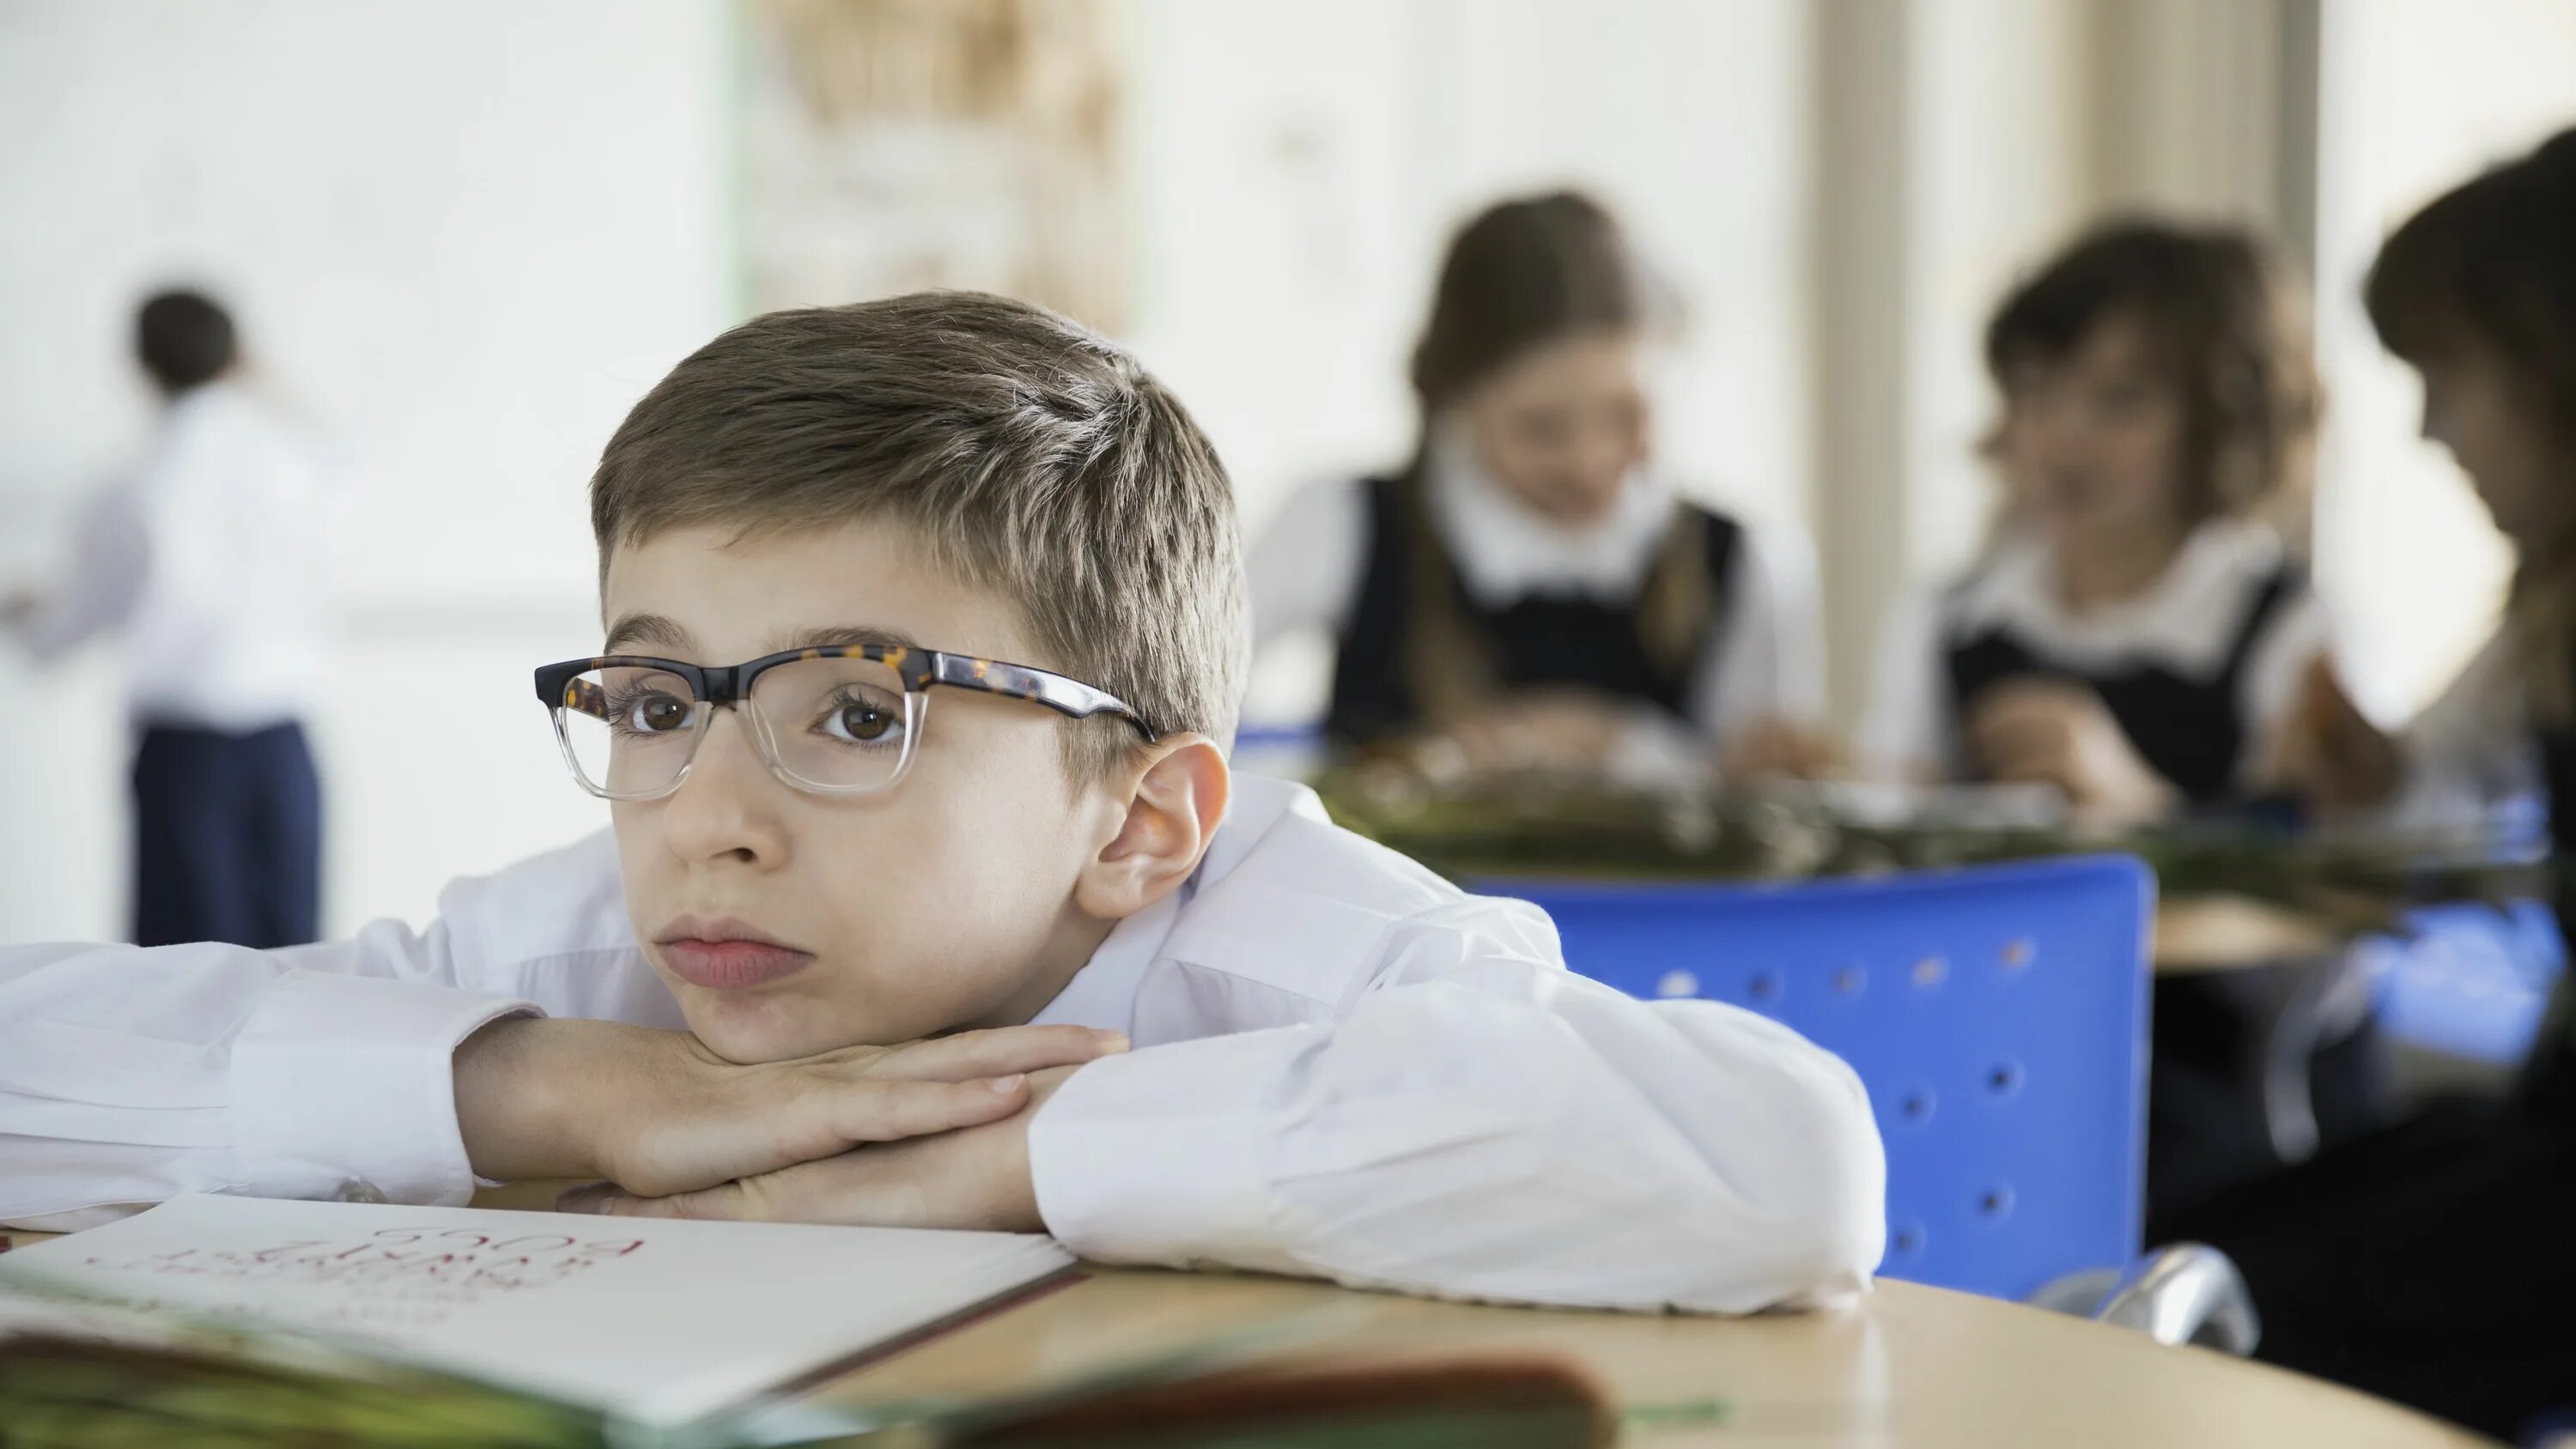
{"points": [[750, 1032]]}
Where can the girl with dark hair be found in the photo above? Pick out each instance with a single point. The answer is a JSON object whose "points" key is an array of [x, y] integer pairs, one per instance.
{"points": [[2429, 1264], [2137, 633], [1528, 586]]}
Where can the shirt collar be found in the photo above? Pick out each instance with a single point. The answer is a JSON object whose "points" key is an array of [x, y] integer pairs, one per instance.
{"points": [[1103, 992], [2187, 619], [1505, 552]]}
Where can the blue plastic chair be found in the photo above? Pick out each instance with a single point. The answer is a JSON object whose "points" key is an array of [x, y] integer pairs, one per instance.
{"points": [[1997, 1015]]}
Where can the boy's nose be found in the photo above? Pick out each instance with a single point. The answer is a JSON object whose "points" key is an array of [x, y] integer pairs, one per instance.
{"points": [[727, 806]]}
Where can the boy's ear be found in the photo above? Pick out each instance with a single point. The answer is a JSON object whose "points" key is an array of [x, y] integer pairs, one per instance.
{"points": [[1172, 811]]}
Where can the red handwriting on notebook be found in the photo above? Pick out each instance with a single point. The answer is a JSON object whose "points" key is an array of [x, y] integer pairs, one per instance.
{"points": [[455, 1264]]}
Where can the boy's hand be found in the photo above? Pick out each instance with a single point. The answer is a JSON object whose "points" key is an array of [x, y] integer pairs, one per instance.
{"points": [[2047, 733], [658, 1113], [977, 1177]]}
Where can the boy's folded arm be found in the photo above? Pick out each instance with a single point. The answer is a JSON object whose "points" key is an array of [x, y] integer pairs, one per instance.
{"points": [[1483, 1124], [129, 1075]]}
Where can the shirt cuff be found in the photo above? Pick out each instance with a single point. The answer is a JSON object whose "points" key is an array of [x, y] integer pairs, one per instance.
{"points": [[342, 1085], [1155, 1156]]}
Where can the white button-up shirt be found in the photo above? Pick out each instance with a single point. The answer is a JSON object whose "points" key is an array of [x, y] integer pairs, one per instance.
{"points": [[211, 556], [1344, 1068]]}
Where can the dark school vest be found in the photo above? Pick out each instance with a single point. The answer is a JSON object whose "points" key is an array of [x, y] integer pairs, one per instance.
{"points": [[2188, 729], [2550, 1076], [1538, 640]]}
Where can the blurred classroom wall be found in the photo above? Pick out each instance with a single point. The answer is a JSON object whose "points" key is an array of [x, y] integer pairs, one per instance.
{"points": [[462, 235], [467, 234]]}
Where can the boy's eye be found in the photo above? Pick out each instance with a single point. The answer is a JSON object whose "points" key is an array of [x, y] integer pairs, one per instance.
{"points": [[863, 719], [653, 714]]}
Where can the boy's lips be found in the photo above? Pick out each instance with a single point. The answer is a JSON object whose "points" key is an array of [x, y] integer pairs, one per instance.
{"points": [[727, 955]]}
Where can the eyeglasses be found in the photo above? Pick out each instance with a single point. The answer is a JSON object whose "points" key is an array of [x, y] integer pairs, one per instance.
{"points": [[844, 719]]}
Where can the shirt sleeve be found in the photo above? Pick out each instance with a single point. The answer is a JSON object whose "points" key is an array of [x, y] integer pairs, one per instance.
{"points": [[1483, 1124], [1305, 569], [1908, 734], [1766, 661], [110, 555], [130, 1075]]}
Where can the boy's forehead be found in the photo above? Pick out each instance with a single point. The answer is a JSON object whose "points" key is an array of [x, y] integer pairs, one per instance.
{"points": [[724, 595]]}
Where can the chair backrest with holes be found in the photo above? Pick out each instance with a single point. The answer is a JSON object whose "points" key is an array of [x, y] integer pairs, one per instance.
{"points": [[1998, 1016]]}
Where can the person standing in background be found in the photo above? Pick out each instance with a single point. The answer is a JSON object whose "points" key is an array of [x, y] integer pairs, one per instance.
{"points": [[209, 557], [1529, 586]]}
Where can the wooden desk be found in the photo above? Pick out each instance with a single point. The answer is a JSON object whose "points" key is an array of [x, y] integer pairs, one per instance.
{"points": [[2198, 934], [1911, 1366]]}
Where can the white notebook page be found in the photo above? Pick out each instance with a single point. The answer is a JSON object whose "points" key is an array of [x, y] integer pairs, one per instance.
{"points": [[654, 1322]]}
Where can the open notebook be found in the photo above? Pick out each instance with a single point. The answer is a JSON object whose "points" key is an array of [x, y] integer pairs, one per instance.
{"points": [[658, 1325]]}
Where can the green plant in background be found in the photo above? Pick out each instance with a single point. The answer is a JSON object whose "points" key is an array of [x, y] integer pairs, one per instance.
{"points": [[1563, 827]]}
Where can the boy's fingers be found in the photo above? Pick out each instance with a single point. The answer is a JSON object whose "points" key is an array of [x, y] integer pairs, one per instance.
{"points": [[729, 1201], [883, 1111], [843, 1190], [1008, 1050]]}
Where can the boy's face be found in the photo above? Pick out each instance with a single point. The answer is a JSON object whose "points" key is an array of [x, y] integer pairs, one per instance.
{"points": [[789, 923]]}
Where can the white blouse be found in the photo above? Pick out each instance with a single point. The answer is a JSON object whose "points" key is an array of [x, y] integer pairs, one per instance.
{"points": [[1764, 662], [2186, 623]]}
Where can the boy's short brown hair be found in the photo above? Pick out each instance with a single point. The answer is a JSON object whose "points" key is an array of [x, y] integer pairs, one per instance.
{"points": [[2223, 323], [1032, 456]]}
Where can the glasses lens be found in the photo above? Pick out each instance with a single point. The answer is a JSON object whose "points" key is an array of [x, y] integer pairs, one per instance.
{"points": [[629, 732], [838, 724]]}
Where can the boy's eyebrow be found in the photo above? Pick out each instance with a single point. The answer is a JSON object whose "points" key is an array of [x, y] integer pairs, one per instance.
{"points": [[651, 630], [836, 634]]}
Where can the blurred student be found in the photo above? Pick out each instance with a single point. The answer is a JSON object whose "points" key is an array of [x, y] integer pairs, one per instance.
{"points": [[208, 557], [1529, 585], [2137, 633], [2430, 1264]]}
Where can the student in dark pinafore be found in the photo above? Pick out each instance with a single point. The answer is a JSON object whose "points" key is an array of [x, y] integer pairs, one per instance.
{"points": [[2138, 632], [2429, 1263], [1529, 586]]}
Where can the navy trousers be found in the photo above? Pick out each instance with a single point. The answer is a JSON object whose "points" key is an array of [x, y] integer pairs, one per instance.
{"points": [[227, 837]]}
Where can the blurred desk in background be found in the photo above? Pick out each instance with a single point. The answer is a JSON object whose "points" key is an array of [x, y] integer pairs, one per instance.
{"points": [[2198, 934]]}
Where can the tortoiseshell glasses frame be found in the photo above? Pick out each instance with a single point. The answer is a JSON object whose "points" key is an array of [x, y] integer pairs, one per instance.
{"points": [[627, 732]]}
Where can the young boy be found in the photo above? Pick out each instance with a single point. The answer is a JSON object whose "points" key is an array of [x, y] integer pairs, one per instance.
{"points": [[1343, 1067]]}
